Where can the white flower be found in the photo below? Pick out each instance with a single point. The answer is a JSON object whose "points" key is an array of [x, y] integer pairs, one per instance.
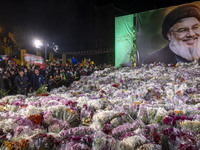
{"points": [[82, 100], [132, 142], [170, 93], [31, 110], [7, 125], [105, 116], [10, 99], [190, 109], [138, 131], [95, 103], [151, 111], [96, 126], [181, 88], [161, 113], [32, 99], [10, 108]]}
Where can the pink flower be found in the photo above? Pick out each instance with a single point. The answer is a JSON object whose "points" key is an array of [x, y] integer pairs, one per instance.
{"points": [[122, 129]]}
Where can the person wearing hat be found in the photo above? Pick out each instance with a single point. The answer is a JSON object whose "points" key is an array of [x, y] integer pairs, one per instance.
{"points": [[181, 27]]}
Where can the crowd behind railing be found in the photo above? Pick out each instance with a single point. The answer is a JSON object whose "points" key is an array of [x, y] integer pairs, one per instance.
{"points": [[23, 79]]}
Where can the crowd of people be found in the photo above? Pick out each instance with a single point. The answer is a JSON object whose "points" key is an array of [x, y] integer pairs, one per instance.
{"points": [[22, 79]]}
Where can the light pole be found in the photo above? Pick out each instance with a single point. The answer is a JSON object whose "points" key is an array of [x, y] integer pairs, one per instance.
{"points": [[46, 44], [45, 60]]}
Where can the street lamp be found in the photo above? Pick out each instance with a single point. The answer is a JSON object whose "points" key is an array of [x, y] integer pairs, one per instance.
{"points": [[39, 44]]}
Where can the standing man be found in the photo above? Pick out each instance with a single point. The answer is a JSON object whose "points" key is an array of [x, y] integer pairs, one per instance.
{"points": [[11, 78], [21, 82], [36, 80], [1, 79], [181, 27]]}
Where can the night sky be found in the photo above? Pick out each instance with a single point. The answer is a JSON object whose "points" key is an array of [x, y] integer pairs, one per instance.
{"points": [[73, 24]]}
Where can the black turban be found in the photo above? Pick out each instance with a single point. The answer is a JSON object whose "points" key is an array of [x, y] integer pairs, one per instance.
{"points": [[177, 14]]}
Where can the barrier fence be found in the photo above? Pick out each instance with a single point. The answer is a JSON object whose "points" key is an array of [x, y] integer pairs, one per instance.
{"points": [[57, 81], [91, 52]]}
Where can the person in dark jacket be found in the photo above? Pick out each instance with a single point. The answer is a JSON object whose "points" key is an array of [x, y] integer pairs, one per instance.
{"points": [[36, 80], [12, 80], [181, 27], [21, 82], [1, 79], [27, 73], [7, 83], [56, 73]]}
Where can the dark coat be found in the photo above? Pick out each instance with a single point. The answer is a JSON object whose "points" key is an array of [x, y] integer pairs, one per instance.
{"points": [[12, 79], [164, 55], [21, 82], [1, 82], [33, 81]]}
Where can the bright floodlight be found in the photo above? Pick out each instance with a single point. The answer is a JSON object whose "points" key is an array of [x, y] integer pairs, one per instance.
{"points": [[38, 44]]}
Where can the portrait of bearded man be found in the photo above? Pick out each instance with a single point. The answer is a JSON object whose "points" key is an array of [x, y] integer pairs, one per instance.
{"points": [[181, 27]]}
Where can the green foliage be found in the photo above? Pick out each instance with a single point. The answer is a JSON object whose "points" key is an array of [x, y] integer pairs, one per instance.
{"points": [[133, 56], [42, 89], [3, 93], [20, 91]]}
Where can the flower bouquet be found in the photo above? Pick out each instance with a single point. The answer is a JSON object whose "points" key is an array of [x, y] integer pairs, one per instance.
{"points": [[42, 91]]}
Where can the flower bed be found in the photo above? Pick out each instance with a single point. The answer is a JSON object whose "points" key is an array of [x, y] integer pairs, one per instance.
{"points": [[152, 107]]}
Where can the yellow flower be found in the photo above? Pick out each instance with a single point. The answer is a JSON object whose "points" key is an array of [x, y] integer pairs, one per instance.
{"points": [[87, 121], [179, 111], [23, 144], [136, 103], [192, 95], [1, 108], [71, 111], [183, 123], [8, 145]]}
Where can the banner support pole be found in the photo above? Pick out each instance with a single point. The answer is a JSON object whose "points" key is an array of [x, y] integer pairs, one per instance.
{"points": [[45, 58]]}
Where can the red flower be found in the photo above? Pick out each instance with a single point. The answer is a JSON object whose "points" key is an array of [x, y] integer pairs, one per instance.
{"points": [[85, 106], [187, 146], [107, 128], [121, 114], [156, 137], [173, 137], [168, 131], [116, 85], [36, 119], [167, 120]]}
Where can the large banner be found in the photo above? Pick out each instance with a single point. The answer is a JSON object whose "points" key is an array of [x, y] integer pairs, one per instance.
{"points": [[33, 59], [124, 39], [23, 52], [167, 35]]}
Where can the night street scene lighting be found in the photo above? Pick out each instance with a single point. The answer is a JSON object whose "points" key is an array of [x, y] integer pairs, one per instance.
{"points": [[39, 44]]}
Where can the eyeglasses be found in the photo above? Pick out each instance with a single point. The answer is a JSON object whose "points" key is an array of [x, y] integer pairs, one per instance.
{"points": [[184, 31]]}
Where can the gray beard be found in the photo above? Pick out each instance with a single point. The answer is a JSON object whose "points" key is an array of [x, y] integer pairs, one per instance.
{"points": [[188, 53]]}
